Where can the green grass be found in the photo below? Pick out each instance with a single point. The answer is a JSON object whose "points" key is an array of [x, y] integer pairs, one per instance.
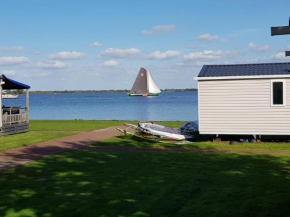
{"points": [[107, 184], [123, 141], [82, 125], [45, 130], [71, 125], [24, 139]]}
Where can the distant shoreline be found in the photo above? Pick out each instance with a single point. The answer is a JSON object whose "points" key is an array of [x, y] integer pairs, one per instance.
{"points": [[105, 91]]}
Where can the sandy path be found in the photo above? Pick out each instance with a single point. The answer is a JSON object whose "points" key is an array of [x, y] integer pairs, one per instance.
{"points": [[26, 154]]}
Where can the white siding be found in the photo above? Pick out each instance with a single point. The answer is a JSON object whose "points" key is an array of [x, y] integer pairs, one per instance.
{"points": [[242, 107]]}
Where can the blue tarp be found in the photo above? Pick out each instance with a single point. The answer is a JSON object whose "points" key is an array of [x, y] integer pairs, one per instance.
{"points": [[11, 84]]}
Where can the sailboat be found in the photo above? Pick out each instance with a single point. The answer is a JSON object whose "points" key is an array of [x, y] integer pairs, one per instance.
{"points": [[144, 85]]}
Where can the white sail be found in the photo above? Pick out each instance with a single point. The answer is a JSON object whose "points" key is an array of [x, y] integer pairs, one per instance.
{"points": [[151, 85]]}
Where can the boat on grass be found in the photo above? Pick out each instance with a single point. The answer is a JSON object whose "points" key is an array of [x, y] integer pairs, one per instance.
{"points": [[144, 85], [155, 132], [9, 96]]}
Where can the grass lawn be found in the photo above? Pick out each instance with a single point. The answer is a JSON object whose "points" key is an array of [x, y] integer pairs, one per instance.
{"points": [[44, 130], [123, 141], [32, 137], [83, 183]]}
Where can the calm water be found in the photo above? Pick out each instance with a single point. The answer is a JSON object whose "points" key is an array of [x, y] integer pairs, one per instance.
{"points": [[114, 106]]}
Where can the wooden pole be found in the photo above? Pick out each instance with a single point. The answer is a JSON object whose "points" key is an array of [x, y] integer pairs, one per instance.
{"points": [[27, 105], [280, 30]]}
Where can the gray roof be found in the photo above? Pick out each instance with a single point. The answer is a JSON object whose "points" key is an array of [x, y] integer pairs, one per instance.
{"points": [[245, 70]]}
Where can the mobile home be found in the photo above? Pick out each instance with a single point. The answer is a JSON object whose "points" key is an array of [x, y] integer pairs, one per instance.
{"points": [[244, 99]]}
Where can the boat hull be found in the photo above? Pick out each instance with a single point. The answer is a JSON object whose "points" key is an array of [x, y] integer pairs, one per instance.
{"points": [[153, 94], [145, 94]]}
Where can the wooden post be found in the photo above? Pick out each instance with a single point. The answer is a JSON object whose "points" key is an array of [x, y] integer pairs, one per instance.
{"points": [[27, 105], [280, 30], [1, 112]]}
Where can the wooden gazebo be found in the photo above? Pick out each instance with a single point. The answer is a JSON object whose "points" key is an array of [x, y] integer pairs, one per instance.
{"points": [[13, 119]]}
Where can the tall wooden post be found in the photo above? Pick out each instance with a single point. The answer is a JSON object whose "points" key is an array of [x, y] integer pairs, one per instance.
{"points": [[281, 30], [27, 105], [1, 112]]}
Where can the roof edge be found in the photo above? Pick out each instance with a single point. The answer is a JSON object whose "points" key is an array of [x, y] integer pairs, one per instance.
{"points": [[241, 77], [202, 71], [250, 64], [23, 86]]}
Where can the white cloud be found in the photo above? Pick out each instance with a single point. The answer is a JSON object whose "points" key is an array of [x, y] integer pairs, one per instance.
{"points": [[51, 65], [159, 29], [111, 63], [194, 47], [13, 60], [38, 74], [96, 44], [66, 55], [11, 49], [41, 74], [208, 38], [258, 48], [157, 55], [120, 53], [9, 73], [209, 55], [279, 56]]}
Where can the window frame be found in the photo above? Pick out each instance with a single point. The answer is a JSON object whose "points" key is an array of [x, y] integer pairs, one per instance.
{"points": [[284, 93]]}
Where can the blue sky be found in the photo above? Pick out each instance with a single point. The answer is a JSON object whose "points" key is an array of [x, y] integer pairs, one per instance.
{"points": [[94, 45]]}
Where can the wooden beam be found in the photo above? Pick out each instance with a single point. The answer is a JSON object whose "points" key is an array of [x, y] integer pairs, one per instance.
{"points": [[287, 53], [280, 30], [27, 104]]}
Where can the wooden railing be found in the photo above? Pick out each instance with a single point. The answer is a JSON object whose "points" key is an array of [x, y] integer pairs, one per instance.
{"points": [[14, 115]]}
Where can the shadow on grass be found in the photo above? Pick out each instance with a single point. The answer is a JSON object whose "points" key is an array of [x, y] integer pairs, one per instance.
{"points": [[139, 142], [84, 183], [202, 145]]}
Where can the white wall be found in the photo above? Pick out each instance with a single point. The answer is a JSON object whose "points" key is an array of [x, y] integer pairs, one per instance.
{"points": [[242, 107]]}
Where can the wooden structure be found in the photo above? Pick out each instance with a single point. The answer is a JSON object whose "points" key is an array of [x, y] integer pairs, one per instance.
{"points": [[281, 30], [244, 99], [13, 119]]}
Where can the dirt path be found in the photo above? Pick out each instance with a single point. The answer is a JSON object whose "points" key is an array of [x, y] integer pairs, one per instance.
{"points": [[26, 154]]}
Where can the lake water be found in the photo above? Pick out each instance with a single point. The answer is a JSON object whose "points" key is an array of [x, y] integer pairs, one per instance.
{"points": [[169, 106]]}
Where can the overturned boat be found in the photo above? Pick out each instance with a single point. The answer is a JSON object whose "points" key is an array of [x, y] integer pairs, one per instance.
{"points": [[155, 131], [163, 132], [144, 85]]}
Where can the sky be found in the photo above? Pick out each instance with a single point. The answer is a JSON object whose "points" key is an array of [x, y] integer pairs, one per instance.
{"points": [[101, 45]]}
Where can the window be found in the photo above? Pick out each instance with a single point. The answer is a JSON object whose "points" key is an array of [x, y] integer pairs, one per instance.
{"points": [[278, 93]]}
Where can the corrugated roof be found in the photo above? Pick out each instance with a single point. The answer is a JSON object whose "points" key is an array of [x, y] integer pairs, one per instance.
{"points": [[245, 70], [11, 84]]}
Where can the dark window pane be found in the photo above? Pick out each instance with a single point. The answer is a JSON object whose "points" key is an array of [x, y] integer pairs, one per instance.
{"points": [[278, 93]]}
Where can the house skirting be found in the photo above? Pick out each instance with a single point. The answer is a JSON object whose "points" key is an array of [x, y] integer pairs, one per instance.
{"points": [[14, 129]]}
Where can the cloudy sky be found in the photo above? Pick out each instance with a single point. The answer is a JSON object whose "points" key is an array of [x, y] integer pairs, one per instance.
{"points": [[94, 45]]}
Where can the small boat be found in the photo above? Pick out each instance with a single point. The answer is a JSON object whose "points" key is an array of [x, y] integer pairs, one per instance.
{"points": [[163, 132], [9, 96], [155, 131], [144, 85]]}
